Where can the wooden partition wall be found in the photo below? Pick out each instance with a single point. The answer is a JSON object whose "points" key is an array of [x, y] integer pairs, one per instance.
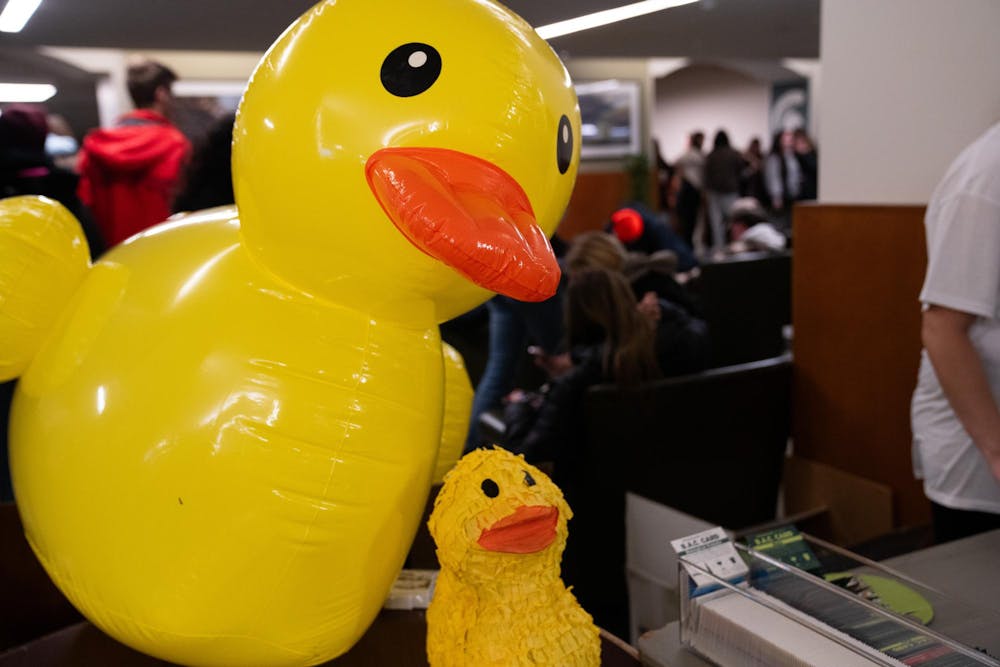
{"points": [[856, 276], [595, 197]]}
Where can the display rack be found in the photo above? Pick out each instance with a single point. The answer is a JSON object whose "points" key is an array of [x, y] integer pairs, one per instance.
{"points": [[782, 614]]}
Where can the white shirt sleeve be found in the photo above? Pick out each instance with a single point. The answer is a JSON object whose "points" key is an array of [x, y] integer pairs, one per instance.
{"points": [[764, 236], [963, 248]]}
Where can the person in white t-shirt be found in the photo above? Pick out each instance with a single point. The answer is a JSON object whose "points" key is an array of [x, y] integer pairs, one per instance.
{"points": [[955, 414], [689, 172]]}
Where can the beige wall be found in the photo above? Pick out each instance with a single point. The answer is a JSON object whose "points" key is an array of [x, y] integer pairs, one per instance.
{"points": [[709, 98], [906, 84], [224, 67]]}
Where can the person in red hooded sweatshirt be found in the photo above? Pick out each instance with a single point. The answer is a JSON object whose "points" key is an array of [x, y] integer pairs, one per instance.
{"points": [[129, 173]]}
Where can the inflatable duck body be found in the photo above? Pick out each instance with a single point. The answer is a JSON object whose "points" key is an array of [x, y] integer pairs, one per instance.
{"points": [[225, 430], [500, 526]]}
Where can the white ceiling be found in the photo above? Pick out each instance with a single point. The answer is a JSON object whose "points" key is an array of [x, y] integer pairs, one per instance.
{"points": [[753, 29]]}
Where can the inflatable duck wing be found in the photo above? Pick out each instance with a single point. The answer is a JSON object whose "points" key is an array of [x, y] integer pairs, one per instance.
{"points": [[500, 529], [225, 430], [458, 395]]}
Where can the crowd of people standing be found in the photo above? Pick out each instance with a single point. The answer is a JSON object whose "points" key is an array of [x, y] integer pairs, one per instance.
{"points": [[123, 178], [704, 186]]}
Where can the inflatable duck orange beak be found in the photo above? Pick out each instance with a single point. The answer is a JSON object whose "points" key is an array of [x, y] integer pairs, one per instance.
{"points": [[529, 529], [469, 214]]}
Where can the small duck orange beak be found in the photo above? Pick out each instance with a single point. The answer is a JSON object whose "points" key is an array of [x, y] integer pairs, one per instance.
{"points": [[529, 529], [467, 213]]}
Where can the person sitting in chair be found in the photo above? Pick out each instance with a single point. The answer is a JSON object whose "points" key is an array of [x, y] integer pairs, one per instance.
{"points": [[751, 230]]}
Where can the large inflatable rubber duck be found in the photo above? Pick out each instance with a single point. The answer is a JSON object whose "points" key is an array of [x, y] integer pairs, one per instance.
{"points": [[225, 430], [500, 526]]}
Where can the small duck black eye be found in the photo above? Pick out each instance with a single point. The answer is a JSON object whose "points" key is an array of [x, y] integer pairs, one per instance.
{"points": [[564, 144], [410, 69], [528, 479], [490, 488]]}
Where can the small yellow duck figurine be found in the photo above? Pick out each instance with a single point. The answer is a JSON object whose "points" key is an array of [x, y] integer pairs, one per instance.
{"points": [[225, 430], [500, 529]]}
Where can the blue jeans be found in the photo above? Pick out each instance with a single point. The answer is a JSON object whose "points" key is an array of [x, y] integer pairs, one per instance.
{"points": [[719, 204], [512, 323]]}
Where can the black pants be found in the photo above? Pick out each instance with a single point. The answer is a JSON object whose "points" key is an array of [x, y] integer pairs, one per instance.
{"points": [[951, 524], [688, 205]]}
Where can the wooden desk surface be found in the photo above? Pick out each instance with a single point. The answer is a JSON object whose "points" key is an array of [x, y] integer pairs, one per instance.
{"points": [[964, 568], [45, 631], [396, 639]]}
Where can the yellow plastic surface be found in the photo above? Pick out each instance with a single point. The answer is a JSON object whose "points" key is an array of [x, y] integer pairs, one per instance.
{"points": [[223, 446], [215, 468], [458, 393], [43, 258], [497, 608]]}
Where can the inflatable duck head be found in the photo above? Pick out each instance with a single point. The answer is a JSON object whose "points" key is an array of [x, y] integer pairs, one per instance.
{"points": [[497, 515], [391, 151]]}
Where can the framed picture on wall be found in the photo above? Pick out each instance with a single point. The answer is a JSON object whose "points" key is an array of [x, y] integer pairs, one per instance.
{"points": [[610, 120], [789, 106]]}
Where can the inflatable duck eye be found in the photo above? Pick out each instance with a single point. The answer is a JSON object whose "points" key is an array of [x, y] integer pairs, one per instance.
{"points": [[490, 488], [528, 479], [564, 144], [410, 69]]}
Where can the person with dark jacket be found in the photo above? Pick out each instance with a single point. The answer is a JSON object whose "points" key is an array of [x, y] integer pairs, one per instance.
{"points": [[681, 341], [610, 340], [723, 169], [129, 174], [209, 180], [689, 176], [25, 169], [658, 273], [752, 182], [640, 230], [805, 154], [783, 177], [682, 336]]}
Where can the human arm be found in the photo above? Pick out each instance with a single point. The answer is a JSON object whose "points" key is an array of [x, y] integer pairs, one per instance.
{"points": [[960, 371], [552, 430], [554, 365], [649, 306]]}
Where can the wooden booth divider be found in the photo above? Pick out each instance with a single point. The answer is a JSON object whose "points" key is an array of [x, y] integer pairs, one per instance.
{"points": [[855, 284], [595, 197]]}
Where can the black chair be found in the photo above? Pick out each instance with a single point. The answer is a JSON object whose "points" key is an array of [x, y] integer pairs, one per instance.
{"points": [[711, 445], [746, 301], [6, 398]]}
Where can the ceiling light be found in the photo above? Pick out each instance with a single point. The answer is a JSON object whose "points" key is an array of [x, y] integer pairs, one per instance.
{"points": [[607, 16], [16, 14], [26, 92]]}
